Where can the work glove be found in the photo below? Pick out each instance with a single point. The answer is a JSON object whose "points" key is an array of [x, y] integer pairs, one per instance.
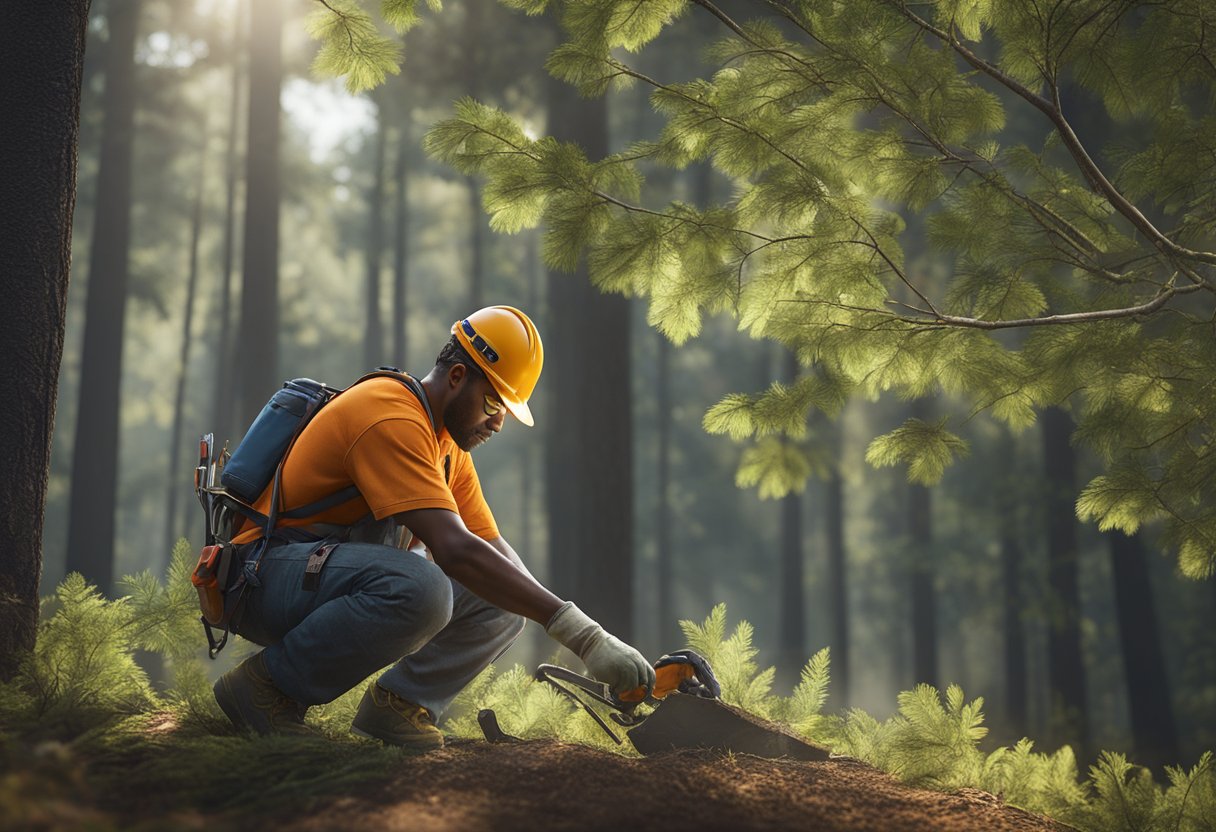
{"points": [[607, 658], [702, 683]]}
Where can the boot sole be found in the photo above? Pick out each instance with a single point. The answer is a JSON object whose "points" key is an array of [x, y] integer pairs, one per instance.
{"points": [[427, 745]]}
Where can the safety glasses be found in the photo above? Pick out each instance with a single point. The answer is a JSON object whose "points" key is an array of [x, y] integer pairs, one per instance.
{"points": [[478, 342], [492, 407]]}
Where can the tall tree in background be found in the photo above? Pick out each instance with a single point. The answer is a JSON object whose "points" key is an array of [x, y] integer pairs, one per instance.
{"points": [[837, 578], [1013, 603], [401, 247], [258, 352], [373, 328], [791, 609], [922, 571], [177, 477], [41, 64], [225, 394], [1065, 661], [663, 538], [95, 450], [1148, 689], [589, 430]]}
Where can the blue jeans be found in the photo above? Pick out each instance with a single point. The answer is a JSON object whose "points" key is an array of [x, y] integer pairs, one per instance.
{"points": [[374, 606]]}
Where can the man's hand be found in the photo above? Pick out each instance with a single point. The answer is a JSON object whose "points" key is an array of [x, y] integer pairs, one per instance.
{"points": [[608, 659]]}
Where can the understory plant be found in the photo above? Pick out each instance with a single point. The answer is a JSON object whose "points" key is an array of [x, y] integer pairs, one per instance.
{"points": [[82, 717]]}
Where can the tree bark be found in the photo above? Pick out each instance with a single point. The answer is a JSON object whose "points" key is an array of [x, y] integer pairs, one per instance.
{"points": [[177, 476], [42, 61], [924, 596], [373, 331], [791, 648], [1148, 688], [1068, 721], [259, 330], [590, 493], [401, 221], [94, 488]]}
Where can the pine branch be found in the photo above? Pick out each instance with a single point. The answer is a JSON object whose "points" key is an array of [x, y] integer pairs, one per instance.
{"points": [[1054, 112]]}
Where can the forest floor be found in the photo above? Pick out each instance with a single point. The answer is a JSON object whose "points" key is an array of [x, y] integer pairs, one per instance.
{"points": [[537, 785]]}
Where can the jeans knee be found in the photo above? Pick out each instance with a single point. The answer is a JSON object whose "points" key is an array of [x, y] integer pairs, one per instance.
{"points": [[418, 595]]}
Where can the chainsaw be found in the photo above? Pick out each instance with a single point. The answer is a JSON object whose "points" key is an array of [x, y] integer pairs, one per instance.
{"points": [[687, 712]]}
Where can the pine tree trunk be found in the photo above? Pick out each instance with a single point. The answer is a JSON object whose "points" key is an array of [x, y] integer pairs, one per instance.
{"points": [[668, 624], [225, 371], [590, 493], [401, 222], [1069, 721], [1148, 688], [373, 331], [477, 246], [42, 61], [258, 355], [838, 588], [1014, 632], [791, 648], [177, 476], [95, 451], [924, 596]]}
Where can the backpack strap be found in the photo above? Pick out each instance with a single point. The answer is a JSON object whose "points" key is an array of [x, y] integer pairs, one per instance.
{"points": [[270, 520]]}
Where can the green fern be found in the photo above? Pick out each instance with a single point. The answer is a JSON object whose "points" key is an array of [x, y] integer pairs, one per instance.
{"points": [[733, 660]]}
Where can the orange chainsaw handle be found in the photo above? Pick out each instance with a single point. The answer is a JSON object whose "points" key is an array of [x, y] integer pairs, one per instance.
{"points": [[667, 678]]}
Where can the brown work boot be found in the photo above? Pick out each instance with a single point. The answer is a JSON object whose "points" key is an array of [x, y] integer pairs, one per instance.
{"points": [[249, 698], [385, 716]]}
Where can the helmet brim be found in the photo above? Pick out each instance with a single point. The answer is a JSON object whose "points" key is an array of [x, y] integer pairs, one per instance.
{"points": [[518, 409]]}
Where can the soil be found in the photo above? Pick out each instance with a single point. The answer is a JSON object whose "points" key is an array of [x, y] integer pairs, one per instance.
{"points": [[471, 786]]}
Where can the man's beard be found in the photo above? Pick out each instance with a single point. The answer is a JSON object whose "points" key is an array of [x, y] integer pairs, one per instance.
{"points": [[462, 416]]}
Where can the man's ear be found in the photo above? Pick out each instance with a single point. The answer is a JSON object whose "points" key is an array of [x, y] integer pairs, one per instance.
{"points": [[457, 373]]}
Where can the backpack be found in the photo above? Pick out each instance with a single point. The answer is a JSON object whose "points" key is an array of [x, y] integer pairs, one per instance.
{"points": [[227, 486]]}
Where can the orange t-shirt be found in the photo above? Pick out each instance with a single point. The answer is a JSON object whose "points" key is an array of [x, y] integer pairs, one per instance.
{"points": [[377, 436]]}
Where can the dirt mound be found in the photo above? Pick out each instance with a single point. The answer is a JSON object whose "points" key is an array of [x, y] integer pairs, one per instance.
{"points": [[547, 785]]}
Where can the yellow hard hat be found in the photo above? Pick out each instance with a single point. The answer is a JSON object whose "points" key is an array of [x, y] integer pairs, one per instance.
{"points": [[506, 346]]}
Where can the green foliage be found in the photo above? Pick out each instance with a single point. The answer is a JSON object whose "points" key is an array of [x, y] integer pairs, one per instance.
{"points": [[528, 709], [925, 448], [835, 130], [733, 660], [351, 45], [82, 673]]}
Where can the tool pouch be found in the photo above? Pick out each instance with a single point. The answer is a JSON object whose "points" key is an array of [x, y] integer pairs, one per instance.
{"points": [[210, 579]]}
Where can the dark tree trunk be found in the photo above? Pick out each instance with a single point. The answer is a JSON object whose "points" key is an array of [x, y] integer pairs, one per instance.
{"points": [[477, 246], [223, 401], [791, 650], [42, 62], [259, 330], [587, 374], [1014, 631], [527, 469], [924, 597], [1148, 688], [838, 588], [177, 477], [1065, 664], [95, 451], [401, 222], [373, 331], [668, 625]]}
